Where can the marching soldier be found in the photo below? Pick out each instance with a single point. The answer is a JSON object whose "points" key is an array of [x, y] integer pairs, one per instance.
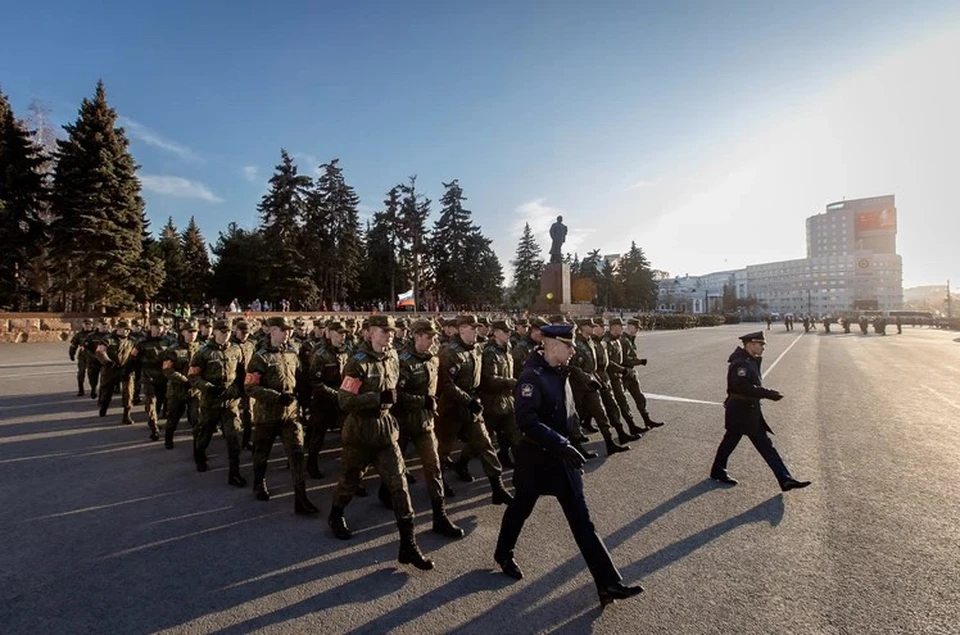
{"points": [[181, 397], [461, 410], [370, 435], [496, 391], [271, 380], [116, 355], [90, 344], [617, 370], [213, 374], [149, 352], [79, 354], [630, 362], [137, 335], [528, 343], [241, 337], [325, 373], [606, 393]]}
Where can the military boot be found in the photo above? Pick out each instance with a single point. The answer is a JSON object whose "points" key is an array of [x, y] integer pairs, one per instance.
{"points": [[462, 468], [200, 458], [500, 494], [409, 551], [80, 388], [634, 428], [302, 504], [623, 436], [338, 523], [313, 465], [441, 522], [578, 445], [448, 492], [127, 418], [386, 499], [234, 478], [168, 437], [613, 447], [260, 491], [154, 431], [650, 423]]}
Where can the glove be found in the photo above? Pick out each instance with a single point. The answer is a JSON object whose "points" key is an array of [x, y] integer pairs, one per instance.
{"points": [[388, 397], [643, 361], [475, 407], [73, 357], [286, 398], [625, 371], [232, 392], [512, 383], [430, 403], [594, 385], [571, 457], [775, 395], [215, 391]]}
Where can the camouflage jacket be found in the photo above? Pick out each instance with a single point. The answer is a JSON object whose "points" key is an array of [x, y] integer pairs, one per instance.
{"points": [[521, 351], [459, 377], [117, 353], [603, 359], [583, 364], [326, 369], [150, 351], [418, 378], [271, 372], [615, 351], [630, 356], [247, 349], [366, 375], [216, 365], [76, 343], [497, 380], [176, 364], [91, 342]]}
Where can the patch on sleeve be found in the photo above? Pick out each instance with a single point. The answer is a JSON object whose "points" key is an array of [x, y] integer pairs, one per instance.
{"points": [[102, 348], [526, 390], [741, 372], [251, 379], [167, 364], [351, 385], [134, 352], [194, 371], [454, 370]]}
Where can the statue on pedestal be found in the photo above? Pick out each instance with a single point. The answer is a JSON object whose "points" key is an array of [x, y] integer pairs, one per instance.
{"points": [[558, 234]]}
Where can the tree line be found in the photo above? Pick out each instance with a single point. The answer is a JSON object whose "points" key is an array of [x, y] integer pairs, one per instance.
{"points": [[76, 237]]}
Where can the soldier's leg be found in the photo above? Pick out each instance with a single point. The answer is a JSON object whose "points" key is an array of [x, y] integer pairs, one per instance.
{"points": [[391, 468], [160, 394], [246, 417], [93, 376], [81, 373], [176, 405], [426, 445], [264, 434], [150, 408], [620, 395], [764, 446], [354, 459], [727, 445], [479, 446], [598, 559], [210, 418], [292, 434], [317, 426], [233, 435], [616, 419], [105, 395], [193, 411], [137, 384], [632, 383], [126, 393], [517, 513]]}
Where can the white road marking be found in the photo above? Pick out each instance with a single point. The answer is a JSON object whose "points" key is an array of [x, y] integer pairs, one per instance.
{"points": [[777, 360], [98, 507], [56, 372], [943, 398], [680, 399]]}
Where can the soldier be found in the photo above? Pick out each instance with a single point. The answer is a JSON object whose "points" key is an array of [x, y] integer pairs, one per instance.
{"points": [[864, 324], [461, 410], [528, 343], [496, 391], [213, 374], [325, 373], [400, 337], [415, 410], [617, 370], [204, 325], [483, 331], [549, 465], [587, 387], [350, 337], [116, 357], [149, 351], [181, 397], [630, 362], [521, 327], [743, 416], [606, 392], [78, 354], [241, 338], [899, 322], [449, 331], [826, 324], [137, 335], [370, 435], [271, 379], [90, 344]]}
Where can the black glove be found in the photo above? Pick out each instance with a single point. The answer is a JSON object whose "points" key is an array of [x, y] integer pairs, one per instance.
{"points": [[625, 371], [512, 383], [594, 385], [73, 357], [775, 395], [475, 406], [286, 398], [232, 392], [215, 391], [643, 361], [388, 397], [571, 457], [429, 403]]}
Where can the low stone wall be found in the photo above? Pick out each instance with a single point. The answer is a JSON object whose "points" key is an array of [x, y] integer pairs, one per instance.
{"points": [[42, 327]]}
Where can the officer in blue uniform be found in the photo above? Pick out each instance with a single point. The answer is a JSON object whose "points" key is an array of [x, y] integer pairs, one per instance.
{"points": [[547, 464], [743, 416]]}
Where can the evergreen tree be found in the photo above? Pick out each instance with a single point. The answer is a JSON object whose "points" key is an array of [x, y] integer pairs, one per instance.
{"points": [[96, 231], [487, 289], [414, 238], [151, 273], [336, 204], [236, 271], [639, 291], [384, 269], [282, 212], [609, 288], [527, 270], [23, 196], [197, 263], [450, 248], [173, 288]]}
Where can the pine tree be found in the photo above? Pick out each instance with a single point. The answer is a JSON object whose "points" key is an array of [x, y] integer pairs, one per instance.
{"points": [[337, 203], [487, 289], [236, 271], [414, 236], [23, 197], [639, 291], [197, 263], [527, 270], [173, 288], [97, 208], [282, 212], [151, 273], [384, 270], [453, 273]]}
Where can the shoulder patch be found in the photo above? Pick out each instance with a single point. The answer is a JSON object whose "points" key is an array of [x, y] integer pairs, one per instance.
{"points": [[405, 355], [741, 372], [526, 390], [360, 356]]}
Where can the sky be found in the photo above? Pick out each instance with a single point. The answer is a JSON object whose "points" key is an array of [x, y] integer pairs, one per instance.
{"points": [[704, 131]]}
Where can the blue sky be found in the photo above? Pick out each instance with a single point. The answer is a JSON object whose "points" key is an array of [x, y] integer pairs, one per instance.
{"points": [[705, 131]]}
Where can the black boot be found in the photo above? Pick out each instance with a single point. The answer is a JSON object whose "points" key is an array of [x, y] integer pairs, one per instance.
{"points": [[462, 469], [338, 523], [635, 429], [93, 393], [200, 458], [234, 477], [302, 504], [103, 410], [623, 436], [260, 491], [80, 388], [168, 437], [617, 591], [614, 448], [504, 456], [448, 492], [409, 551], [154, 431], [384, 495], [587, 454], [313, 465], [650, 423], [441, 522], [500, 495]]}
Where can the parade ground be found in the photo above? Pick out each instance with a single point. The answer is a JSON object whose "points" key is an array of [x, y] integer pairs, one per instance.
{"points": [[104, 531]]}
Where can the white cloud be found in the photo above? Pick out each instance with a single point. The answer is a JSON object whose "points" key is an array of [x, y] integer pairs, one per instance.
{"points": [[541, 216], [642, 183], [251, 172], [307, 163], [151, 138], [178, 187]]}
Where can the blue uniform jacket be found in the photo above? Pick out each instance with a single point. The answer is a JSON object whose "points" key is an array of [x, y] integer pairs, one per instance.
{"points": [[744, 392], [541, 415]]}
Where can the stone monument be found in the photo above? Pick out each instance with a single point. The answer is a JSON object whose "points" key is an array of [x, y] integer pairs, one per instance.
{"points": [[555, 296]]}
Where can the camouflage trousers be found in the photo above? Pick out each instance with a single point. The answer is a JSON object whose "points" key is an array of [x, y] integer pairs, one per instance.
{"points": [[93, 375], [620, 395], [224, 415], [178, 402], [632, 383], [82, 372], [109, 379], [291, 435], [504, 429], [426, 444], [590, 406], [153, 394], [356, 458], [473, 432]]}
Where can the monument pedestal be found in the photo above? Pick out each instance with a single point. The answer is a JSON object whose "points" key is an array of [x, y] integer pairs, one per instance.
{"points": [[555, 296]]}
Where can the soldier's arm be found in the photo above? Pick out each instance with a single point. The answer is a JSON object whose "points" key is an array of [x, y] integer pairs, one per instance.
{"points": [[449, 369], [170, 369], [349, 396], [251, 381], [404, 398], [630, 356], [321, 370], [578, 376], [195, 374], [101, 354], [739, 383], [490, 381], [528, 396], [75, 343]]}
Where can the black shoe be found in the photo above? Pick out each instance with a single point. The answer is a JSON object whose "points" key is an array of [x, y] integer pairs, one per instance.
{"points": [[615, 448], [261, 493], [154, 435], [200, 458], [103, 411], [301, 504], [723, 477], [93, 394], [617, 591], [500, 495], [339, 524], [236, 480], [168, 443], [589, 427], [635, 429], [587, 454], [792, 483], [510, 567], [80, 393], [625, 437], [651, 424], [462, 469]]}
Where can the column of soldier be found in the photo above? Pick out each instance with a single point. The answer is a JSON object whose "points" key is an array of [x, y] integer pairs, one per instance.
{"points": [[438, 384]]}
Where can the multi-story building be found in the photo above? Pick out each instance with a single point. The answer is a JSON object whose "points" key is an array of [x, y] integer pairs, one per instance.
{"points": [[851, 264]]}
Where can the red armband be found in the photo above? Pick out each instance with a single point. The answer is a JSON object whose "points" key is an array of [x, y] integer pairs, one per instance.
{"points": [[351, 385], [251, 379]]}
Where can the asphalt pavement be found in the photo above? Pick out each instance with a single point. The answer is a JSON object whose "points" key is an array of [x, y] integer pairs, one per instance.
{"points": [[107, 532]]}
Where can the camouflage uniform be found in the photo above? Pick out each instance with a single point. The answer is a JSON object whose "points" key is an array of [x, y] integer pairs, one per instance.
{"points": [[90, 344], [248, 347], [630, 380], [180, 396], [137, 335], [150, 351], [78, 353], [116, 355], [497, 382], [606, 392], [325, 372]]}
